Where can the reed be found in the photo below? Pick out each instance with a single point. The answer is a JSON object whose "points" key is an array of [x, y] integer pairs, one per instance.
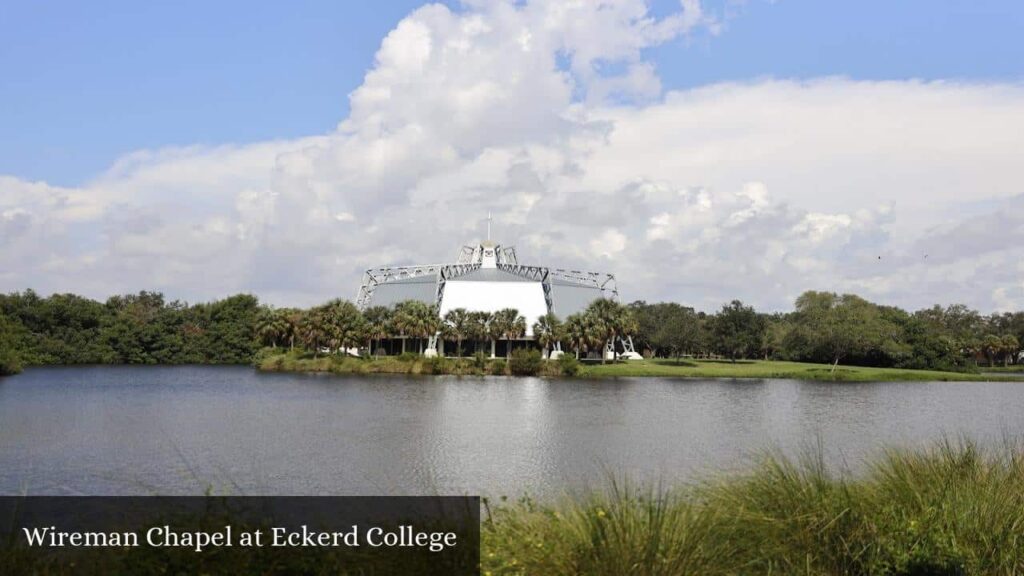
{"points": [[950, 509]]}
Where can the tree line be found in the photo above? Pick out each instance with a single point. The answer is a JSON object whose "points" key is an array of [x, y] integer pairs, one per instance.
{"points": [[824, 327], [835, 328], [338, 324], [140, 328]]}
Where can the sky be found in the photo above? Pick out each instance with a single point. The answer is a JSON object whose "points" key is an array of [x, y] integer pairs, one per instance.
{"points": [[702, 151]]}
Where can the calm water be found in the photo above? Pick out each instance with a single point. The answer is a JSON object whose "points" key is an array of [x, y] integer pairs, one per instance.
{"points": [[179, 430]]}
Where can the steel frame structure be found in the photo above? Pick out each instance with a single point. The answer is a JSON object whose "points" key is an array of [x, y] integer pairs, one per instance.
{"points": [[442, 273], [469, 260], [471, 254]]}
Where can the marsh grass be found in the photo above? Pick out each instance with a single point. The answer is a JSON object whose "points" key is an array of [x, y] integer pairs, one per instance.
{"points": [[407, 364], [277, 361], [1011, 368], [950, 509], [777, 369]]}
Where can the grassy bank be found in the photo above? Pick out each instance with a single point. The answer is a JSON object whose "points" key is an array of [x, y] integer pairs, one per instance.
{"points": [[405, 364], [953, 509], [414, 364], [773, 369], [950, 510], [1016, 368]]}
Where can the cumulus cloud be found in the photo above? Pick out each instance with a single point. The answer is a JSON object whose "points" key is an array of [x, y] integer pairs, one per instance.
{"points": [[547, 114]]}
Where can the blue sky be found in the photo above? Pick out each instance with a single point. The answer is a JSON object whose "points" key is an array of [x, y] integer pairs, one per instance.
{"points": [[702, 150], [85, 82]]}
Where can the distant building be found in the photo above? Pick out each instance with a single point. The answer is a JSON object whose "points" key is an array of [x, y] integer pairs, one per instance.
{"points": [[488, 277]]}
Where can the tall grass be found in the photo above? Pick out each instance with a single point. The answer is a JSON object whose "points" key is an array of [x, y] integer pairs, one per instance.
{"points": [[950, 509], [297, 361], [281, 361]]}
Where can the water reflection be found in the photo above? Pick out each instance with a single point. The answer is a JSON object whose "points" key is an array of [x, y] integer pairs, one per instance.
{"points": [[179, 430]]}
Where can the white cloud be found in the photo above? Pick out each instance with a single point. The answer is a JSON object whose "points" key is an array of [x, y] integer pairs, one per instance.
{"points": [[547, 114], [610, 244]]}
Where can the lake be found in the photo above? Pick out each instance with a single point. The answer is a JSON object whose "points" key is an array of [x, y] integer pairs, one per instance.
{"points": [[185, 429]]}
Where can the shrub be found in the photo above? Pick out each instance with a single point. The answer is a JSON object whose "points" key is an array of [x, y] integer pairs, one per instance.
{"points": [[408, 357], [9, 362], [438, 365], [264, 354], [526, 362], [480, 361], [568, 364], [498, 367]]}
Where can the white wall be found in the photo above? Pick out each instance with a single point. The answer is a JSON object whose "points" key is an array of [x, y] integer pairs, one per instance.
{"points": [[526, 297]]}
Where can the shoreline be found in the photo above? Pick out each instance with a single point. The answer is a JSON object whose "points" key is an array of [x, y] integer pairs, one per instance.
{"points": [[659, 368], [947, 507], [745, 369]]}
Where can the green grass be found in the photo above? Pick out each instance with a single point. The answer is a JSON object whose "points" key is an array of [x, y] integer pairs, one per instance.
{"points": [[952, 509], [292, 362], [771, 369], [1012, 368]]}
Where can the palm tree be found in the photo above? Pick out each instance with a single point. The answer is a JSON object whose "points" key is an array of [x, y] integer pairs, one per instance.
{"points": [[291, 317], [417, 319], [378, 324], [507, 325], [495, 328], [1011, 347], [547, 330], [344, 323], [429, 322], [970, 347], [457, 322], [576, 331], [518, 331], [991, 345], [478, 328], [310, 330], [403, 320], [271, 326], [609, 320], [629, 326]]}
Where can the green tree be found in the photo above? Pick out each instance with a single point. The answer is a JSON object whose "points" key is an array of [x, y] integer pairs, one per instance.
{"points": [[416, 319], [343, 324], [10, 360], [506, 324], [478, 327], [578, 331], [774, 336], [229, 332], [991, 346], [678, 331], [547, 330], [931, 346], [311, 331], [403, 320], [457, 325], [378, 325], [609, 320], [271, 326], [737, 330], [835, 327], [1011, 349]]}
